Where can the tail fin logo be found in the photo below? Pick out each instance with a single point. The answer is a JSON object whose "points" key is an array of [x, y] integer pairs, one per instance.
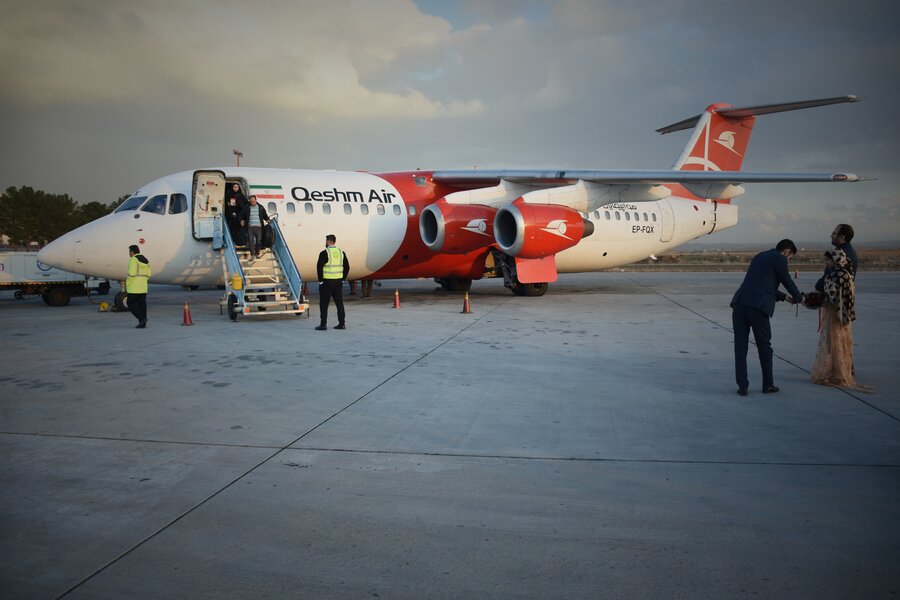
{"points": [[726, 140]]}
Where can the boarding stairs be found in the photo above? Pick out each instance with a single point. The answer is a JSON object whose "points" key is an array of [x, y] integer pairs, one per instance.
{"points": [[269, 285]]}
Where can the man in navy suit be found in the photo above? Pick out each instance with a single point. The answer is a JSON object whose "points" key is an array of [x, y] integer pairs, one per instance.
{"points": [[752, 306]]}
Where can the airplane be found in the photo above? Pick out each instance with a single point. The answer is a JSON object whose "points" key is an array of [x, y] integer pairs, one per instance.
{"points": [[456, 226]]}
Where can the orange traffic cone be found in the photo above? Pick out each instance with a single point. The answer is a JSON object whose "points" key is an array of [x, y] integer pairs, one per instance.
{"points": [[187, 315], [467, 309], [396, 298]]}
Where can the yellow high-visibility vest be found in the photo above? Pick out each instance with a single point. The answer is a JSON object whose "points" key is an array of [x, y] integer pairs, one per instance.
{"points": [[334, 268], [138, 276]]}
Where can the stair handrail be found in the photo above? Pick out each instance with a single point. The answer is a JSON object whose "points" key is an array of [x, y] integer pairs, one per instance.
{"points": [[233, 265], [288, 266]]}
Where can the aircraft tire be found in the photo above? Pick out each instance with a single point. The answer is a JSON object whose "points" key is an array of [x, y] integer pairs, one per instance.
{"points": [[57, 296], [532, 289], [232, 310], [121, 302], [457, 284]]}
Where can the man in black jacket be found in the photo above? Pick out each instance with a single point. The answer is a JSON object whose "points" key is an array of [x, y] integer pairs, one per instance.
{"points": [[257, 218], [752, 306]]}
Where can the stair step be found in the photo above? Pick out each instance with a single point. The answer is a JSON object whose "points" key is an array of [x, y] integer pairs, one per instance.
{"points": [[270, 303], [266, 286], [277, 296]]}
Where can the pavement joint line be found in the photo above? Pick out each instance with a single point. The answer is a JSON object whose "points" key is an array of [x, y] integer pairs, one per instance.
{"points": [[775, 354], [522, 457], [279, 450], [602, 460]]}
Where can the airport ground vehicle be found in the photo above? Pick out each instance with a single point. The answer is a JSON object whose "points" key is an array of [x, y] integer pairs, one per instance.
{"points": [[27, 276]]}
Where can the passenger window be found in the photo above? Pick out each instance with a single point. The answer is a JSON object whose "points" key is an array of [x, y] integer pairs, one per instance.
{"points": [[645, 217], [397, 209], [348, 209], [597, 214], [271, 208], [637, 217], [307, 208], [606, 214], [177, 204], [654, 217], [381, 209], [132, 203], [412, 210], [326, 208], [618, 216], [156, 205], [364, 209], [291, 208], [627, 216]]}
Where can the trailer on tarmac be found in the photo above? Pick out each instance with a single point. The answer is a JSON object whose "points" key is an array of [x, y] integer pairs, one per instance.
{"points": [[27, 276]]}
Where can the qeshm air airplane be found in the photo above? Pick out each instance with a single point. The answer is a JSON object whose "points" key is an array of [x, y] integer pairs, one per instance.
{"points": [[526, 226]]}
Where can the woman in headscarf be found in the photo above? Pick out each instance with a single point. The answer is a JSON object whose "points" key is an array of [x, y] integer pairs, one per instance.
{"points": [[834, 356]]}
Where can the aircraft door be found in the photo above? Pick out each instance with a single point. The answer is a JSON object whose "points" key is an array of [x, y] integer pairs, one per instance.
{"points": [[208, 202], [667, 216]]}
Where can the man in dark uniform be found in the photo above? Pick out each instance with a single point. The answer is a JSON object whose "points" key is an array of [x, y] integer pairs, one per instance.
{"points": [[752, 306], [332, 268]]}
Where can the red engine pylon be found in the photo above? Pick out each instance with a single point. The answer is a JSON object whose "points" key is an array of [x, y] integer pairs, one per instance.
{"points": [[187, 315]]}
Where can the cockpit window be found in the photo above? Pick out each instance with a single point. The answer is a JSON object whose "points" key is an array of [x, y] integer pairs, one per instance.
{"points": [[132, 203], [178, 204], [156, 204]]}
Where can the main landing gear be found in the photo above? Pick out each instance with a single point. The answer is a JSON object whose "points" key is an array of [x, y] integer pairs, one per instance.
{"points": [[454, 284], [508, 268]]}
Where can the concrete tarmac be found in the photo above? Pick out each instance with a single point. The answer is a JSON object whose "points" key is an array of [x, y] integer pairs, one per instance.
{"points": [[585, 444]]}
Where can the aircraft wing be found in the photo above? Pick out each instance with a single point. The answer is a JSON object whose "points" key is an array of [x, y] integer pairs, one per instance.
{"points": [[549, 178]]}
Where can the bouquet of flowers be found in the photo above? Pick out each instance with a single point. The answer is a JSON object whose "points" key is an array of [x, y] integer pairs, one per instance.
{"points": [[813, 300]]}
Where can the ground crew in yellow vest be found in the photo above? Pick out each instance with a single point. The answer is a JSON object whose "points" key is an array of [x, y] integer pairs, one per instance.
{"points": [[136, 285], [332, 269]]}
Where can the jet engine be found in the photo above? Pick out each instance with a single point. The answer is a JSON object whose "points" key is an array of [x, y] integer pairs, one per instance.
{"points": [[537, 230], [456, 228]]}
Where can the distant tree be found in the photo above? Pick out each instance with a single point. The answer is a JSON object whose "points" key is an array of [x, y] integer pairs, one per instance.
{"points": [[28, 215], [94, 210]]}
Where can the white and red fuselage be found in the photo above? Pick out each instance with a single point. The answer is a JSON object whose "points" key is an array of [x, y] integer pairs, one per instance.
{"points": [[446, 224]]}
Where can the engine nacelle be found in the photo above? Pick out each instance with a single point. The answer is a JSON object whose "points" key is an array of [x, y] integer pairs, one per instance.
{"points": [[538, 230], [456, 228]]}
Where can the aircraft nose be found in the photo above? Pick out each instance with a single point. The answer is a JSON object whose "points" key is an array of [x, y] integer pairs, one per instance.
{"points": [[60, 253]]}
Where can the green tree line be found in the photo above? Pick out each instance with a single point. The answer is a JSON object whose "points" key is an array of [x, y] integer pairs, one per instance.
{"points": [[28, 215]]}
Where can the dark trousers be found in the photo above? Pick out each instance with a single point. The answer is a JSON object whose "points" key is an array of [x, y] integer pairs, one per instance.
{"points": [[328, 289], [254, 240], [137, 304], [743, 319]]}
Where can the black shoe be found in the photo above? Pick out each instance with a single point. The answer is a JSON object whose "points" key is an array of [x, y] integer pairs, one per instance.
{"points": [[141, 325], [742, 392], [770, 390], [340, 326], [322, 328]]}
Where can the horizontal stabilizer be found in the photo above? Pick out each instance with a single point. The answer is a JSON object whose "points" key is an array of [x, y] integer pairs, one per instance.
{"points": [[764, 109]]}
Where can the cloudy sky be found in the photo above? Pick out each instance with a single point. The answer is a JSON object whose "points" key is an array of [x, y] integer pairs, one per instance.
{"points": [[99, 97]]}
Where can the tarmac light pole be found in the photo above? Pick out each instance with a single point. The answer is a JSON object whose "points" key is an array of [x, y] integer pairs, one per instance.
{"points": [[238, 154]]}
